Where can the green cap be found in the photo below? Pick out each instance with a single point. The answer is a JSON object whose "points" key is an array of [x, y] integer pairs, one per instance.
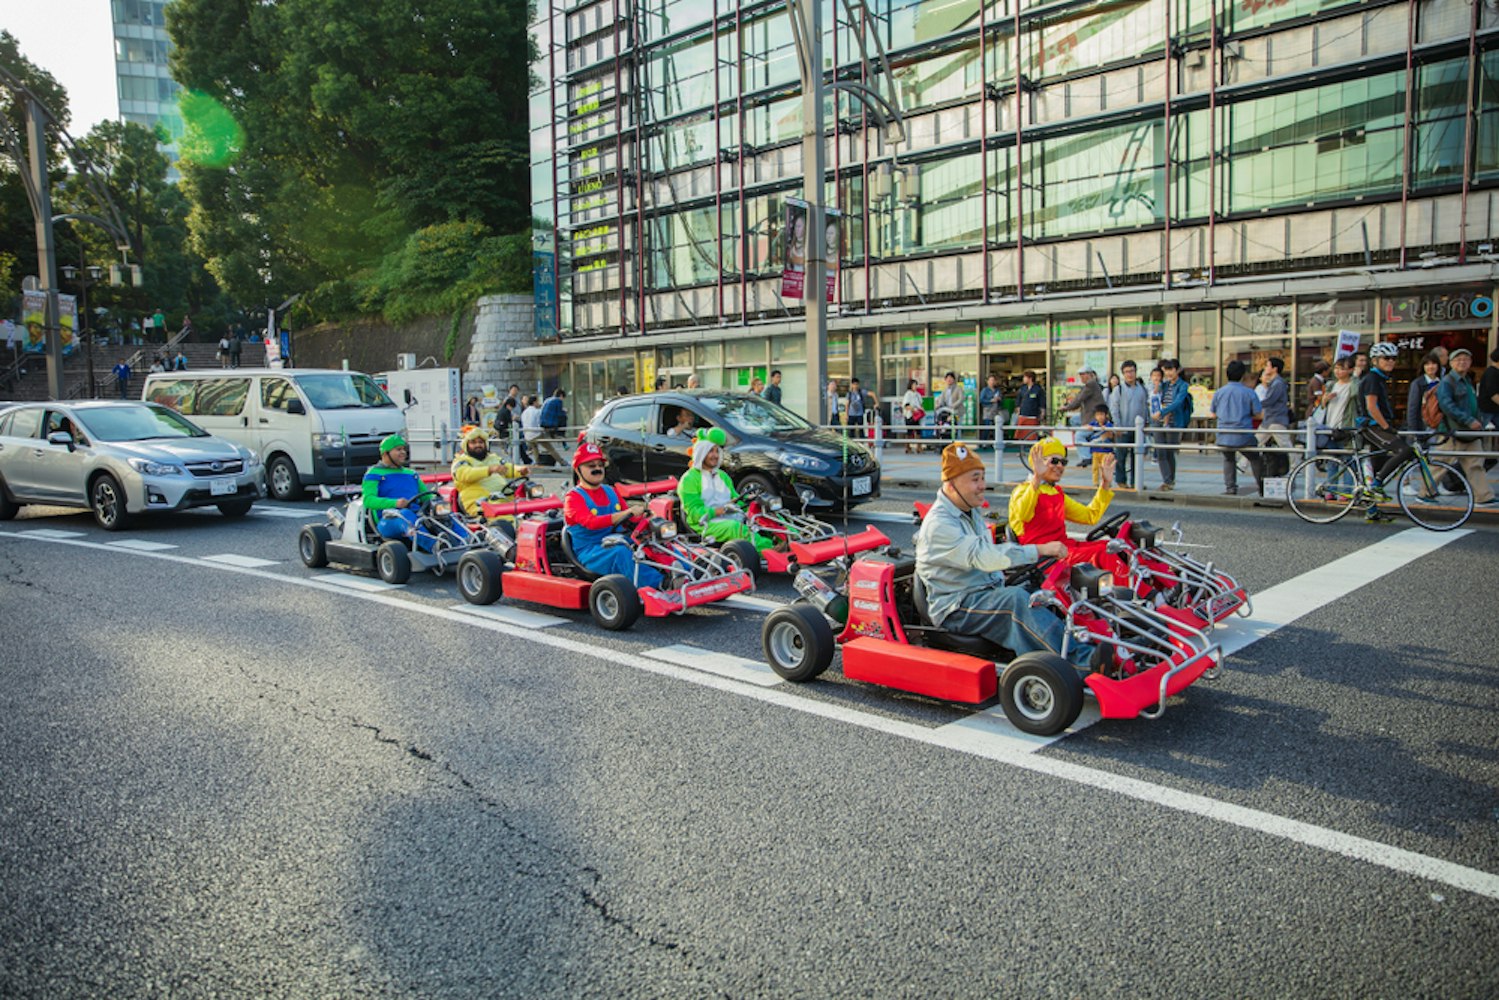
{"points": [[392, 443]]}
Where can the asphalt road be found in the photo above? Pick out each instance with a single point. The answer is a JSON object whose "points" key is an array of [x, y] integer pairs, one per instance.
{"points": [[256, 780]]}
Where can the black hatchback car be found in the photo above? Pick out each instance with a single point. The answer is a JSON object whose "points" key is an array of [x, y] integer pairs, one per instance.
{"points": [[647, 437]]}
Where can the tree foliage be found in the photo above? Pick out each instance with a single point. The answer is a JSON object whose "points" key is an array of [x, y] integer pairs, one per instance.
{"points": [[375, 136]]}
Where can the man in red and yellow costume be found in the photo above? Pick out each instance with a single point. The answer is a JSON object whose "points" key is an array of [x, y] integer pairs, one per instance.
{"points": [[1039, 510]]}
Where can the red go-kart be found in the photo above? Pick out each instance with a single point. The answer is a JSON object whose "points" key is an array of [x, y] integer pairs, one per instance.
{"points": [[888, 639]]}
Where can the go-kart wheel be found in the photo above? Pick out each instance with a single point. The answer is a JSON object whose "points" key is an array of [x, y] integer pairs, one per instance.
{"points": [[1041, 693], [798, 642], [614, 602], [742, 553], [1109, 527], [479, 576], [393, 563], [312, 545]]}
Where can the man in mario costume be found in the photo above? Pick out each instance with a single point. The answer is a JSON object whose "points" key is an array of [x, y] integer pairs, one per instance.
{"points": [[1039, 510], [597, 520]]}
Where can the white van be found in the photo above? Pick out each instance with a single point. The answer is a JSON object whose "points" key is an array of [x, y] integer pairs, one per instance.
{"points": [[310, 426]]}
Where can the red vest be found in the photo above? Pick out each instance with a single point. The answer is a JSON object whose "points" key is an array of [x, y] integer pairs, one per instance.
{"points": [[1049, 522]]}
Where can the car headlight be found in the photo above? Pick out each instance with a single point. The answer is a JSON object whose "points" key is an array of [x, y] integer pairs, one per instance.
{"points": [[148, 468], [327, 441], [805, 462], [252, 460]]}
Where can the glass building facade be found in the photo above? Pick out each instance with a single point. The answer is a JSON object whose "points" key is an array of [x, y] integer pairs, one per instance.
{"points": [[147, 92], [1078, 182]]}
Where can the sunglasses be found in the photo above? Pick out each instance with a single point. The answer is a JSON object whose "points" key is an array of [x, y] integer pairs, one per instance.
{"points": [[1057, 461]]}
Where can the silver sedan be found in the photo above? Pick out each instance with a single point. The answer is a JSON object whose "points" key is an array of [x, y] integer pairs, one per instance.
{"points": [[120, 458]]}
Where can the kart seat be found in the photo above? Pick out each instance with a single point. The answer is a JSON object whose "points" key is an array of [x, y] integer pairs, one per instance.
{"points": [[572, 557], [955, 642]]}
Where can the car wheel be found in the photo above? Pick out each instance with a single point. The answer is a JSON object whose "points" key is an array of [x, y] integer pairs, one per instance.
{"points": [[614, 602], [393, 562], [1041, 693], [742, 553], [107, 500], [763, 483], [479, 576], [8, 507], [312, 545], [798, 642], [236, 508], [282, 479]]}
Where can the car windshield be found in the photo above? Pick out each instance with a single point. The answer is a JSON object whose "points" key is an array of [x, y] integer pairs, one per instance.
{"points": [[747, 415], [342, 392], [137, 423]]}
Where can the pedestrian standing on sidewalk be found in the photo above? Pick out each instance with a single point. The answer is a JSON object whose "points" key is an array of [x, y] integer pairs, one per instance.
{"points": [[1431, 374], [1127, 401], [1276, 423], [1030, 406], [830, 400], [773, 390], [1088, 398], [1235, 405], [990, 397], [1176, 413], [122, 378], [855, 404], [222, 354], [236, 344], [913, 413], [1099, 433], [1316, 385], [1460, 421]]}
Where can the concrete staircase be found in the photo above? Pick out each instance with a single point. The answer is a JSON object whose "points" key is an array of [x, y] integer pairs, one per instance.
{"points": [[32, 386]]}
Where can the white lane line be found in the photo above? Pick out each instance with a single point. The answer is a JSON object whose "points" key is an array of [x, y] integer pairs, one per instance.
{"points": [[727, 665], [51, 534], [747, 603], [359, 582], [1284, 603], [990, 728], [141, 545], [300, 515], [239, 561], [1386, 856], [509, 615]]}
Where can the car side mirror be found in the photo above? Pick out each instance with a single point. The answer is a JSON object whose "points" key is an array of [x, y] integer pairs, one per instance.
{"points": [[61, 437], [406, 394], [295, 406]]}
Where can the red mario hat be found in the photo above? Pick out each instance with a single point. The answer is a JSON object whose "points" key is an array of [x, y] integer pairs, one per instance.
{"points": [[587, 452]]}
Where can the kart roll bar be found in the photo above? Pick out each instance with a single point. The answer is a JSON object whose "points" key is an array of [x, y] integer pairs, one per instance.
{"points": [[812, 553], [629, 491], [512, 508]]}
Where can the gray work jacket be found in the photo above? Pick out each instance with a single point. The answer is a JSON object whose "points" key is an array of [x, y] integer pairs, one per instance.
{"points": [[956, 554]]}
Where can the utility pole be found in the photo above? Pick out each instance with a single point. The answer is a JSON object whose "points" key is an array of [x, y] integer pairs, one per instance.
{"points": [[806, 23], [46, 250]]}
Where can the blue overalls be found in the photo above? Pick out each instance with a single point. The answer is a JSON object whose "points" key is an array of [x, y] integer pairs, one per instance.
{"points": [[397, 523], [589, 548]]}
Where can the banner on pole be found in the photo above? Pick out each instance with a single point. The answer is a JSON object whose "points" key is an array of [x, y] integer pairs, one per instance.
{"points": [[67, 321], [34, 319], [794, 238], [833, 248]]}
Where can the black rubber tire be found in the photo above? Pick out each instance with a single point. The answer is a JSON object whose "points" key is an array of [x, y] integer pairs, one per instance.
{"points": [[1041, 693], [8, 507], [106, 498], [312, 545], [236, 508], [742, 552], [393, 562], [614, 603], [478, 576], [798, 642], [282, 481]]}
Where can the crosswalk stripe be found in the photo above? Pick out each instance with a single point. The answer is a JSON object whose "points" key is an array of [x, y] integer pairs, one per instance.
{"points": [[245, 562], [141, 545], [362, 583], [727, 665], [51, 533], [510, 615]]}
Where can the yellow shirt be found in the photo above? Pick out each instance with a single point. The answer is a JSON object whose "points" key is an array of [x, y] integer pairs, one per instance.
{"points": [[474, 481], [1023, 505]]}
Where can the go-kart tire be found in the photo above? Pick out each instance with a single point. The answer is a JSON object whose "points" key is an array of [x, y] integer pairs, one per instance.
{"points": [[312, 545], [393, 562], [1041, 693], [798, 642], [282, 481], [742, 553], [479, 576], [614, 603]]}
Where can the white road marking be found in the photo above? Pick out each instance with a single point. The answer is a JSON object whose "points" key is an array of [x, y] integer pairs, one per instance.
{"points": [[363, 583], [305, 514], [747, 603], [51, 534], [510, 615], [242, 562], [990, 728], [735, 668], [1332, 841], [141, 545]]}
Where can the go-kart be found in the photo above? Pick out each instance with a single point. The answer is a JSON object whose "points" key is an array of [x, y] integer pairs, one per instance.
{"points": [[888, 639], [1179, 580], [806, 541], [546, 571], [441, 541]]}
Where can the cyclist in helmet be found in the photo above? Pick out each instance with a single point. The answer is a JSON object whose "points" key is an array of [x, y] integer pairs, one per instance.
{"points": [[1376, 418]]}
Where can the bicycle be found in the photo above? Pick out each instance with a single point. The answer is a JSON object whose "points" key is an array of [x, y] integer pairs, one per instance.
{"points": [[1432, 493]]}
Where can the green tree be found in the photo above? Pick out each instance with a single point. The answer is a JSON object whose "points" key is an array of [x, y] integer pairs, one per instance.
{"points": [[17, 223]]}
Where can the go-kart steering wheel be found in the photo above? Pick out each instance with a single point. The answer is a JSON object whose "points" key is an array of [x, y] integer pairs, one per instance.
{"points": [[1108, 527]]}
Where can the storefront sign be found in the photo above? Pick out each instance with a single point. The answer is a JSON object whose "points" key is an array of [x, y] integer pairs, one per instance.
{"points": [[1031, 333], [1270, 319], [1461, 309], [1334, 314], [544, 288]]}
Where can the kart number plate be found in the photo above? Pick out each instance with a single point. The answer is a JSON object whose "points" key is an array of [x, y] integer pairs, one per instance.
{"points": [[221, 487], [860, 486]]}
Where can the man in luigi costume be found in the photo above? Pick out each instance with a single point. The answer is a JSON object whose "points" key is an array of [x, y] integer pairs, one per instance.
{"points": [[708, 497], [392, 485]]}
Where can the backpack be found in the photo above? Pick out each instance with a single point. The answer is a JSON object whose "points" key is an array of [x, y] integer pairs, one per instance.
{"points": [[1431, 407]]}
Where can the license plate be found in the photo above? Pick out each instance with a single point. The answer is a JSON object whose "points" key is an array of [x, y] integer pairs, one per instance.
{"points": [[860, 486], [221, 487]]}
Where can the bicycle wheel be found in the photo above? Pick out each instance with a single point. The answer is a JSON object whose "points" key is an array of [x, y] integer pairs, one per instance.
{"points": [[1322, 489], [1428, 507]]}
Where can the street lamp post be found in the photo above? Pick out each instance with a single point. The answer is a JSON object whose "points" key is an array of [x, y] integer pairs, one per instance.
{"points": [[87, 275]]}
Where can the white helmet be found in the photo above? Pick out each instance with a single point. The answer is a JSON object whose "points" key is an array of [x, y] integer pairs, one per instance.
{"points": [[1384, 350]]}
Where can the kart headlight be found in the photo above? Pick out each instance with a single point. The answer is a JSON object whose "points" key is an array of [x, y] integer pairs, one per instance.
{"points": [[1146, 535], [807, 463], [536, 491], [441, 509], [148, 468], [666, 529], [327, 441], [774, 503], [1091, 580]]}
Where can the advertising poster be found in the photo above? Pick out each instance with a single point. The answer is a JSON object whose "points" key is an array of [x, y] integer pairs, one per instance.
{"points": [[34, 319], [67, 312], [794, 267], [1347, 343], [834, 248]]}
